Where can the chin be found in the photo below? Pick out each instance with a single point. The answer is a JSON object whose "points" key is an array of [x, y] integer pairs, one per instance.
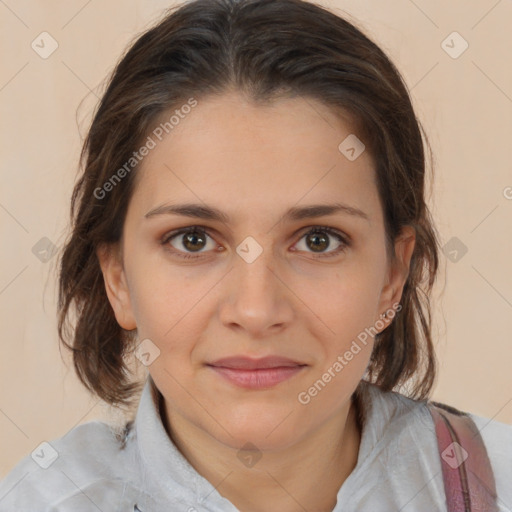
{"points": [[265, 431]]}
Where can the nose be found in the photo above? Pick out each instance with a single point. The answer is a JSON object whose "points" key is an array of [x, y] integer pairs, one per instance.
{"points": [[255, 298]]}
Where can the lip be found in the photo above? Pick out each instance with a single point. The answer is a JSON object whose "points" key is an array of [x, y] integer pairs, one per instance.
{"points": [[249, 363], [262, 373]]}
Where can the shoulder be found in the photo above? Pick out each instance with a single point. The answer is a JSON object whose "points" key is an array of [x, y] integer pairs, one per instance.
{"points": [[66, 471], [396, 424], [497, 442], [497, 438], [408, 422]]}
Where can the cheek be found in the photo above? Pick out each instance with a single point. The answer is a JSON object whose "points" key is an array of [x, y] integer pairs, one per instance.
{"points": [[162, 295], [171, 313], [344, 302]]}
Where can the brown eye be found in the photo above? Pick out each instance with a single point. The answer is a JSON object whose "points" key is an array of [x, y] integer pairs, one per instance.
{"points": [[194, 241], [185, 242], [318, 240]]}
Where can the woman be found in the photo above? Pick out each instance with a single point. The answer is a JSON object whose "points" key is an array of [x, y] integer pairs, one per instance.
{"points": [[251, 226]]}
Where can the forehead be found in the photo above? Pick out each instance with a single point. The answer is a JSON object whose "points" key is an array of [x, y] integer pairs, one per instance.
{"points": [[254, 159]]}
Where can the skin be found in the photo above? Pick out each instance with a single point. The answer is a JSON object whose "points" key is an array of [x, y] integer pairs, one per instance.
{"points": [[254, 163]]}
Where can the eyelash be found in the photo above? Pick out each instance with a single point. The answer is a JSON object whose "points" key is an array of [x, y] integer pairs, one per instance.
{"points": [[341, 237]]}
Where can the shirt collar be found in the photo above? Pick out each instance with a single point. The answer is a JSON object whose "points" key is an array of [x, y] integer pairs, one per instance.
{"points": [[168, 468]]}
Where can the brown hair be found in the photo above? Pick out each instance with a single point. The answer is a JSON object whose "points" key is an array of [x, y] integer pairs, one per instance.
{"points": [[264, 49]]}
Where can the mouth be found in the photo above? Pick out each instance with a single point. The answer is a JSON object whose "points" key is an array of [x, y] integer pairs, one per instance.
{"points": [[262, 373]]}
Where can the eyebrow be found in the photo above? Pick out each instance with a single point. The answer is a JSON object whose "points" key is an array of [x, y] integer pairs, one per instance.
{"points": [[203, 211]]}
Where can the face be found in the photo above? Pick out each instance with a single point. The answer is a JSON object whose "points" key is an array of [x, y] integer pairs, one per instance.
{"points": [[265, 277]]}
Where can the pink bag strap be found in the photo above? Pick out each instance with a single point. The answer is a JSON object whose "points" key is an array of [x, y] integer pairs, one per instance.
{"points": [[467, 473]]}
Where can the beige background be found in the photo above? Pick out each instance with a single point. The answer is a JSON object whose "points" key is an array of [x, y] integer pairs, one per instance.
{"points": [[464, 103]]}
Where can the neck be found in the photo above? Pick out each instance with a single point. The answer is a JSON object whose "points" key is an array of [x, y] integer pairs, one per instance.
{"points": [[304, 476]]}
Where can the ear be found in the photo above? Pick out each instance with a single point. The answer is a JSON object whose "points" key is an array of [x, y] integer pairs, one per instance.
{"points": [[398, 272], [116, 285]]}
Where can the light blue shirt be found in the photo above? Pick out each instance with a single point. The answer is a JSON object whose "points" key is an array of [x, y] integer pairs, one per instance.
{"points": [[90, 469]]}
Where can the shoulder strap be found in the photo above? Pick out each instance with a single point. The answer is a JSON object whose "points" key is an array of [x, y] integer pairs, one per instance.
{"points": [[467, 473]]}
